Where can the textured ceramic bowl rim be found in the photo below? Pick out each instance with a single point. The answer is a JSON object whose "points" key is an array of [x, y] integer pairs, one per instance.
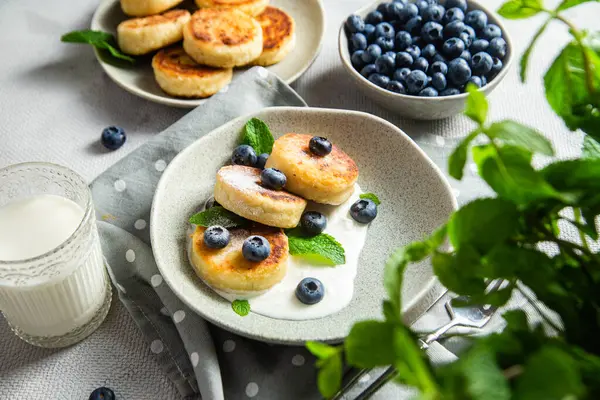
{"points": [[345, 56], [412, 309], [105, 6]]}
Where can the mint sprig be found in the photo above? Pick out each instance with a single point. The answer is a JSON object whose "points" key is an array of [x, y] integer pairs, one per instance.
{"points": [[241, 307], [321, 249], [258, 135], [100, 40], [217, 216], [371, 196]]}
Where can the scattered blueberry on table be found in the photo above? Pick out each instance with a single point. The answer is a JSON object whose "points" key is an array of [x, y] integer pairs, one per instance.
{"points": [[310, 291], [113, 137], [427, 48], [102, 393]]}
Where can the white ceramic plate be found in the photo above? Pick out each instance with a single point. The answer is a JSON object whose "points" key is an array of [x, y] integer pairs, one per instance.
{"points": [[139, 80], [415, 197]]}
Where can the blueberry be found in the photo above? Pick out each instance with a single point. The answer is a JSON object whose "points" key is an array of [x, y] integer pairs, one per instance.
{"points": [[432, 32], [439, 66], [418, 41], [396, 87], [434, 13], [310, 291], [438, 81], [422, 5], [403, 40], [450, 92], [379, 80], [371, 54], [483, 81], [358, 41], [210, 203], [402, 2], [496, 68], [428, 51], [453, 47], [471, 32], [414, 51], [261, 160], [438, 58], [453, 29], [475, 80], [382, 8], [244, 155], [357, 60], [374, 18], [409, 11], [421, 64], [216, 237], [102, 393], [477, 19], [113, 137], [273, 178], [391, 54], [369, 32], [413, 26], [256, 249], [458, 71], [401, 74], [479, 45], [466, 55], [365, 210], [385, 44], [481, 63], [385, 65], [428, 92], [461, 4], [453, 14], [497, 48], [320, 146], [384, 30], [368, 70], [464, 36], [404, 60], [491, 31], [313, 222], [394, 10], [416, 81], [355, 24]]}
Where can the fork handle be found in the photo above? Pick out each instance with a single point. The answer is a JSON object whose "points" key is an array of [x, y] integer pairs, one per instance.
{"points": [[433, 337]]}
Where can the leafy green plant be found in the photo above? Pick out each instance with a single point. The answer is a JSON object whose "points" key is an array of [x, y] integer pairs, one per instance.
{"points": [[507, 237], [104, 42]]}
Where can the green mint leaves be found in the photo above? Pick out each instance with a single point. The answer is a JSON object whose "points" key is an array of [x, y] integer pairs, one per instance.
{"points": [[100, 40], [524, 62], [241, 307], [217, 216], [329, 362], [477, 105], [258, 135], [591, 148], [322, 249], [372, 197], [519, 9]]}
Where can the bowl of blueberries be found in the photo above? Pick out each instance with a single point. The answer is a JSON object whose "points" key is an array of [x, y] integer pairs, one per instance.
{"points": [[417, 57]]}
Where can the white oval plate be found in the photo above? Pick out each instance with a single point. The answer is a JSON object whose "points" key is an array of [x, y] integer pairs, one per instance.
{"points": [[415, 197], [139, 80]]}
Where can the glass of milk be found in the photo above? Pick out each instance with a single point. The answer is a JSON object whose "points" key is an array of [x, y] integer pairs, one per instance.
{"points": [[54, 289]]}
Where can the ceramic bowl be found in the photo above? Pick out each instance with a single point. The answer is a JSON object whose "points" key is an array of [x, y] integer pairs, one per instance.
{"points": [[415, 107], [415, 196]]}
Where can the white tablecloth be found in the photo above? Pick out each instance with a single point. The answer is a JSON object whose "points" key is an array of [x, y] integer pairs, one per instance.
{"points": [[55, 100]]}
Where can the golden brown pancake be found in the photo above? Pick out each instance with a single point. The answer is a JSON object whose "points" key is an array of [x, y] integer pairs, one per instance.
{"points": [[172, 15], [277, 26], [251, 7]]}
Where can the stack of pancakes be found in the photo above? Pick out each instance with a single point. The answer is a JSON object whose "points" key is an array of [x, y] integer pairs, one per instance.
{"points": [[221, 35]]}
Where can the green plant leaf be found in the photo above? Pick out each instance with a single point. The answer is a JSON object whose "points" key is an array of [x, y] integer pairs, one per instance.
{"points": [[241, 307], [527, 53], [217, 216], [458, 158], [591, 147], [573, 175], [258, 135], [483, 376], [371, 196], [329, 366], [322, 248], [497, 298], [521, 135], [98, 39], [519, 9], [412, 366], [370, 344], [321, 350], [477, 106], [456, 272], [572, 3], [516, 320]]}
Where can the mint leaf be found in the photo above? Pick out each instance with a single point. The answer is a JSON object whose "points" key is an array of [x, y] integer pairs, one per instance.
{"points": [[369, 344], [477, 105], [458, 158], [457, 272], [521, 135], [371, 196], [241, 307], [574, 175], [591, 148], [323, 248], [525, 57], [572, 3], [217, 216], [98, 39], [411, 365], [330, 366], [483, 377], [321, 350], [519, 9], [258, 135]]}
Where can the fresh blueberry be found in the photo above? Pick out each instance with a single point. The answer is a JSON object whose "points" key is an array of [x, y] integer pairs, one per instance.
{"points": [[477, 19], [421, 64], [256, 249], [320, 146], [216, 237], [434, 13], [386, 65], [453, 47], [438, 58], [491, 31], [355, 24], [358, 41], [481, 63], [379, 80], [428, 51], [374, 18], [244, 155], [475, 80], [432, 32], [261, 160], [438, 81], [391, 54], [483, 81], [497, 48], [401, 74], [450, 92], [102, 393], [479, 45], [458, 71], [416, 81], [401, 2], [409, 11], [464, 36], [394, 10], [385, 44], [382, 8], [413, 26], [313, 222], [210, 203], [113, 137], [414, 51], [418, 41], [396, 87], [369, 32], [466, 55], [453, 29], [371, 54], [404, 60], [471, 32], [357, 60], [403, 40], [310, 291], [461, 4], [496, 68], [428, 92], [384, 30], [422, 5], [364, 210], [439, 66], [368, 70], [453, 14], [273, 178]]}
